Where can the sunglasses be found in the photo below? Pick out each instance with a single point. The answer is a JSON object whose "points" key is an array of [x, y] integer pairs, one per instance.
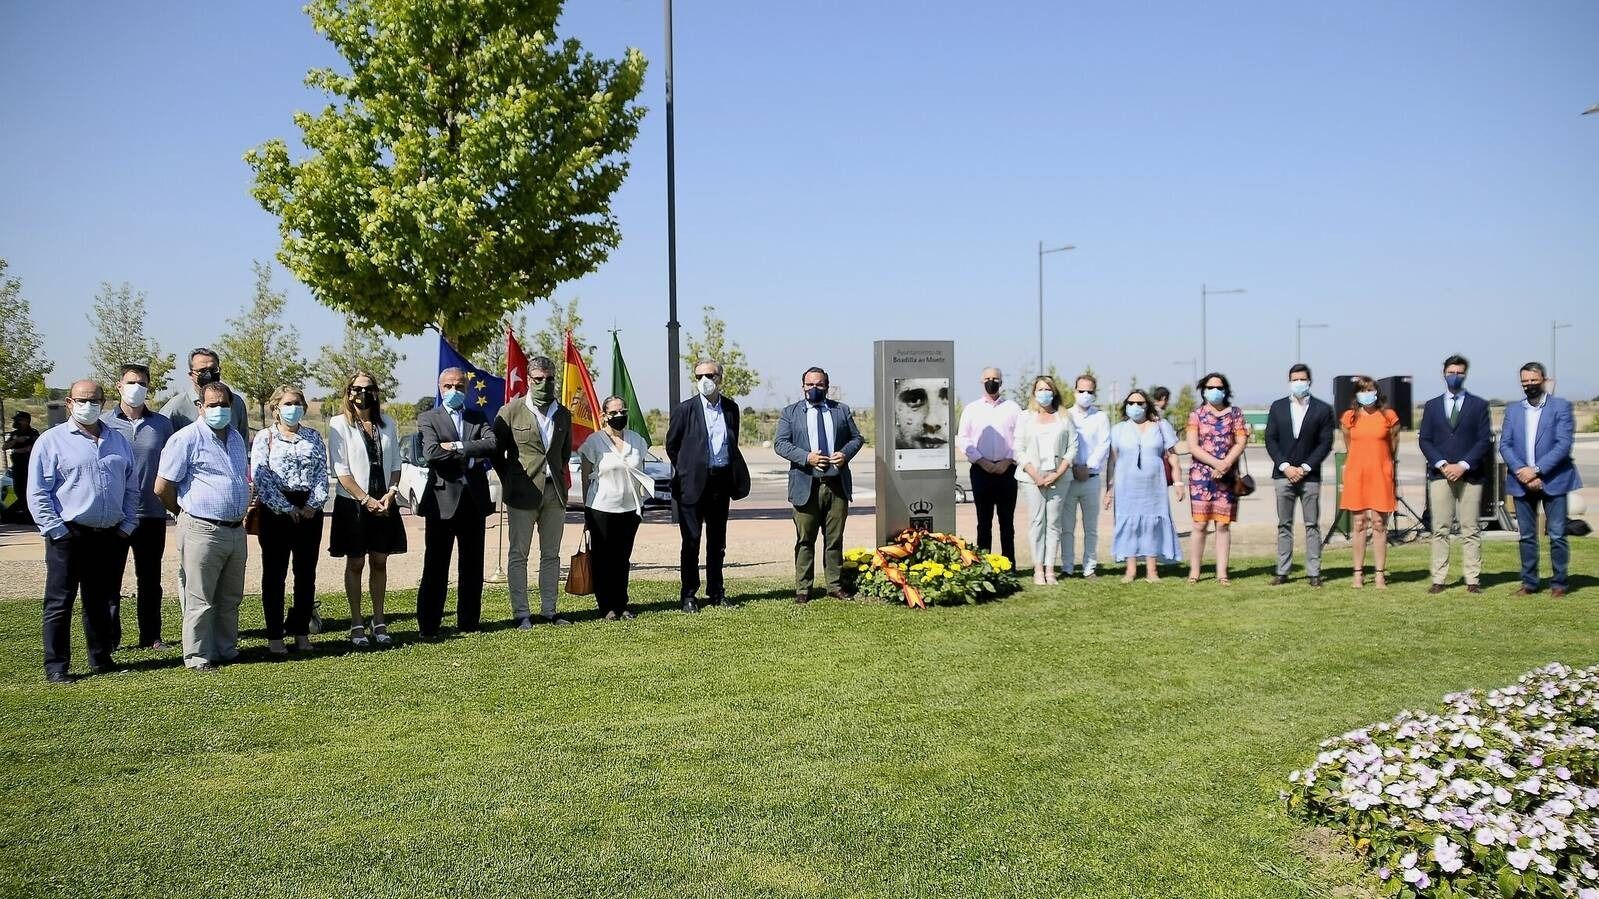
{"points": [[539, 379]]}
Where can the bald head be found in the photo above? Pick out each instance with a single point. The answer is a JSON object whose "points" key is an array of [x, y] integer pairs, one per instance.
{"points": [[86, 390]]}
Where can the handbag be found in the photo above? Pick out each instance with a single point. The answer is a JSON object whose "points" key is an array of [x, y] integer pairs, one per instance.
{"points": [[253, 513], [580, 573], [1243, 481]]}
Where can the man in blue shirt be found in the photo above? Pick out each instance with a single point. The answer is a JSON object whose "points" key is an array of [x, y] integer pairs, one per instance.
{"points": [[202, 473], [147, 432], [85, 500]]}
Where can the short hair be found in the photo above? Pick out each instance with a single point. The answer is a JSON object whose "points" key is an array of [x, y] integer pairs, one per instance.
{"points": [[1537, 367], [204, 351], [541, 363], [1160, 394], [454, 368], [282, 392], [1363, 383], [1032, 394], [817, 370], [216, 387], [993, 368], [1298, 367], [1086, 376], [1459, 360], [1226, 386], [139, 367], [709, 362]]}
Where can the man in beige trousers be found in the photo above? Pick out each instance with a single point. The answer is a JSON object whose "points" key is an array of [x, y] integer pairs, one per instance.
{"points": [[534, 437]]}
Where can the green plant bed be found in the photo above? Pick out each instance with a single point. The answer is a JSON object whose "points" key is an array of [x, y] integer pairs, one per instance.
{"points": [[1093, 739]]}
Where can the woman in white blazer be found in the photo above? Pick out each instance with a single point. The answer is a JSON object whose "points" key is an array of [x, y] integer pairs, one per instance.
{"points": [[364, 454], [1046, 444]]}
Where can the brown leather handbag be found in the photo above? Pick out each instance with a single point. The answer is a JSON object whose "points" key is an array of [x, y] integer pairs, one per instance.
{"points": [[1243, 481], [580, 573], [253, 513]]}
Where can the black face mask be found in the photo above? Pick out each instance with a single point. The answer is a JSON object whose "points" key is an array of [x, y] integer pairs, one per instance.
{"points": [[991, 386], [207, 376], [1533, 391], [617, 420]]}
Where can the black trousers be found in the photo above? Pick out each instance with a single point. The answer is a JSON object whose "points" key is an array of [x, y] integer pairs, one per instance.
{"points": [[707, 517], [74, 563], [282, 540], [995, 493], [148, 544], [442, 538], [611, 556]]}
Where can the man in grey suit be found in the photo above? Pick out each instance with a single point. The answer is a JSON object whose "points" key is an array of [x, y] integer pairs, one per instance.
{"points": [[818, 437], [457, 443], [205, 367], [533, 441]]}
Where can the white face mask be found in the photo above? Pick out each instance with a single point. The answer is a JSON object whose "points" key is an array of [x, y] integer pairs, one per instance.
{"points": [[707, 386], [133, 395], [1085, 398], [85, 412]]}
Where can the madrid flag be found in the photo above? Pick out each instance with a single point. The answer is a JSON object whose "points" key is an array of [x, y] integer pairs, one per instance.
{"points": [[515, 367], [577, 394]]}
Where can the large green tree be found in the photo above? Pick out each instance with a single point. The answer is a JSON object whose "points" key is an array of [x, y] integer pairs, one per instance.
{"points": [[362, 350], [739, 378], [261, 352], [23, 363], [118, 322], [551, 339], [462, 169]]}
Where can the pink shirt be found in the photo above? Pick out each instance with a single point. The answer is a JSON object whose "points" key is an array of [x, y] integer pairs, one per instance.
{"points": [[988, 430]]}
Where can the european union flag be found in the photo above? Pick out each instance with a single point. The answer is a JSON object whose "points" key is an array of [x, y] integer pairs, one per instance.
{"points": [[484, 392]]}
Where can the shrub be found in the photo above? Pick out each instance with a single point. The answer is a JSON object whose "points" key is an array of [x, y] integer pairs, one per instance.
{"points": [[921, 568]]}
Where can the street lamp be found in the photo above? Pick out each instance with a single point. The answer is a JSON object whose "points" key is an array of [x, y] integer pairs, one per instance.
{"points": [[673, 365], [1299, 337], [1205, 293], [1192, 364], [1555, 327], [1041, 253]]}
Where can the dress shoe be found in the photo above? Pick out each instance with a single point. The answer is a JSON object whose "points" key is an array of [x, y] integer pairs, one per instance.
{"points": [[1557, 592], [159, 646], [205, 668], [1279, 580], [57, 677], [611, 616], [689, 605], [721, 603], [1473, 588], [1435, 589], [627, 615], [1315, 580], [107, 669], [1524, 591], [802, 597], [839, 594], [557, 621], [526, 624]]}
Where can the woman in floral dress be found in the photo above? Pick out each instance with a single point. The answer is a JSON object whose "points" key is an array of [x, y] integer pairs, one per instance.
{"points": [[1217, 435]]}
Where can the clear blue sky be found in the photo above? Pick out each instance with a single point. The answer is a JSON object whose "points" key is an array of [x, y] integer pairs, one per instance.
{"points": [[1417, 176]]}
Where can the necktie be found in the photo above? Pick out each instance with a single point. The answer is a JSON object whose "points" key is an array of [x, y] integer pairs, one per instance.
{"points": [[1454, 411], [821, 432]]}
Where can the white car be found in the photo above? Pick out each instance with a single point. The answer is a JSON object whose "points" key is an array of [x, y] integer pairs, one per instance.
{"points": [[658, 470], [414, 474]]}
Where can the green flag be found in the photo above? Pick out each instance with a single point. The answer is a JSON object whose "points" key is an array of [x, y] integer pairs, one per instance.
{"points": [[622, 386]]}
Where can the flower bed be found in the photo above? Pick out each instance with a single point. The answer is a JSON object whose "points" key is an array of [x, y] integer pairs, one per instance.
{"points": [[1494, 795], [922, 568]]}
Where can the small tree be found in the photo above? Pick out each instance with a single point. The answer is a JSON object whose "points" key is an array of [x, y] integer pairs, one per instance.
{"points": [[262, 352], [1181, 406], [551, 340], [1022, 391], [118, 322], [362, 350], [492, 358], [23, 364], [738, 377], [463, 167]]}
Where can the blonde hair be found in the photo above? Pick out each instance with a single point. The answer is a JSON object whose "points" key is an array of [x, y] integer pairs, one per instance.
{"points": [[283, 391], [353, 415], [1032, 394]]}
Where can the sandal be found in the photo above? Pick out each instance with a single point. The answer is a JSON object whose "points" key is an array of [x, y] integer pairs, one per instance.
{"points": [[1382, 579], [1223, 582], [1193, 579], [358, 637], [1038, 577], [380, 633], [1360, 578], [1127, 578]]}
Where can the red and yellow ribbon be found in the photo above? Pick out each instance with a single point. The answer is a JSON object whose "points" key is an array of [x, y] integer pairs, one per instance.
{"points": [[905, 544]]}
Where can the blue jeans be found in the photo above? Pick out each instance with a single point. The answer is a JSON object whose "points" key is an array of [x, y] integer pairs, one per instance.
{"points": [[1527, 520]]}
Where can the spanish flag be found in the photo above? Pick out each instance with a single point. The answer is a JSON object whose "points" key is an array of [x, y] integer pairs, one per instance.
{"points": [[577, 395]]}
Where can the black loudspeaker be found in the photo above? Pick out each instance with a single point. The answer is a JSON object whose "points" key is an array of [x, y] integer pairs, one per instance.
{"points": [[1397, 389], [1343, 395]]}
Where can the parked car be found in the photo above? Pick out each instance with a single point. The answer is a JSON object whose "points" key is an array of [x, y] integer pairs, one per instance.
{"points": [[414, 474], [658, 470]]}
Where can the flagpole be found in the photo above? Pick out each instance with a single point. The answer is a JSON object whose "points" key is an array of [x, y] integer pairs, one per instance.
{"points": [[498, 577]]}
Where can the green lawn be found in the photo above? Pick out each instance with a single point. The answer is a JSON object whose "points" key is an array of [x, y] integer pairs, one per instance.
{"points": [[1092, 740]]}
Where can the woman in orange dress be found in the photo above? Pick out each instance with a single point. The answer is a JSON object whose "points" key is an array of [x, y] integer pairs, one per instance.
{"points": [[1371, 439]]}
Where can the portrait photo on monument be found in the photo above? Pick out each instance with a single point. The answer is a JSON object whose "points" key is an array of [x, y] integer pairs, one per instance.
{"points": [[921, 423]]}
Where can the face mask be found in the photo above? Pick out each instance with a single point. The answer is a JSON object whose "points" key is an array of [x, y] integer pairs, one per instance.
{"points": [[1533, 391], [617, 420], [1454, 382], [207, 376], [1300, 389], [360, 399], [1045, 398], [1135, 412], [85, 413], [1085, 398], [133, 395], [816, 394], [1366, 397], [291, 414], [454, 399], [218, 417], [543, 393], [707, 386], [1214, 395], [991, 387]]}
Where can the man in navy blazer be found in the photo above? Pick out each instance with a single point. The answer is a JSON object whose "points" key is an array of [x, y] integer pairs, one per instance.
{"points": [[708, 473], [818, 437], [1299, 435], [1536, 444], [457, 444], [1456, 440]]}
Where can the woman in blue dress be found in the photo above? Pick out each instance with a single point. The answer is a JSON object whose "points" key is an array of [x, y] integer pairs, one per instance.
{"points": [[1140, 448]]}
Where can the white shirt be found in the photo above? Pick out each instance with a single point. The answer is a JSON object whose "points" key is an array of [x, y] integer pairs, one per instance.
{"points": [[546, 419], [1534, 415], [1093, 437], [1452, 404], [812, 414], [988, 430], [1044, 436], [1296, 413], [615, 476]]}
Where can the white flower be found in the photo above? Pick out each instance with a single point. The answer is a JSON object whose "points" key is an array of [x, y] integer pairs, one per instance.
{"points": [[1519, 858], [1446, 854]]}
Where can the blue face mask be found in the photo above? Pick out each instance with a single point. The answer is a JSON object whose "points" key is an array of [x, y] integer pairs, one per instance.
{"points": [[454, 399], [1046, 398], [1214, 395], [1454, 382], [816, 394], [1300, 389], [218, 417], [291, 414], [1366, 397], [1135, 412]]}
